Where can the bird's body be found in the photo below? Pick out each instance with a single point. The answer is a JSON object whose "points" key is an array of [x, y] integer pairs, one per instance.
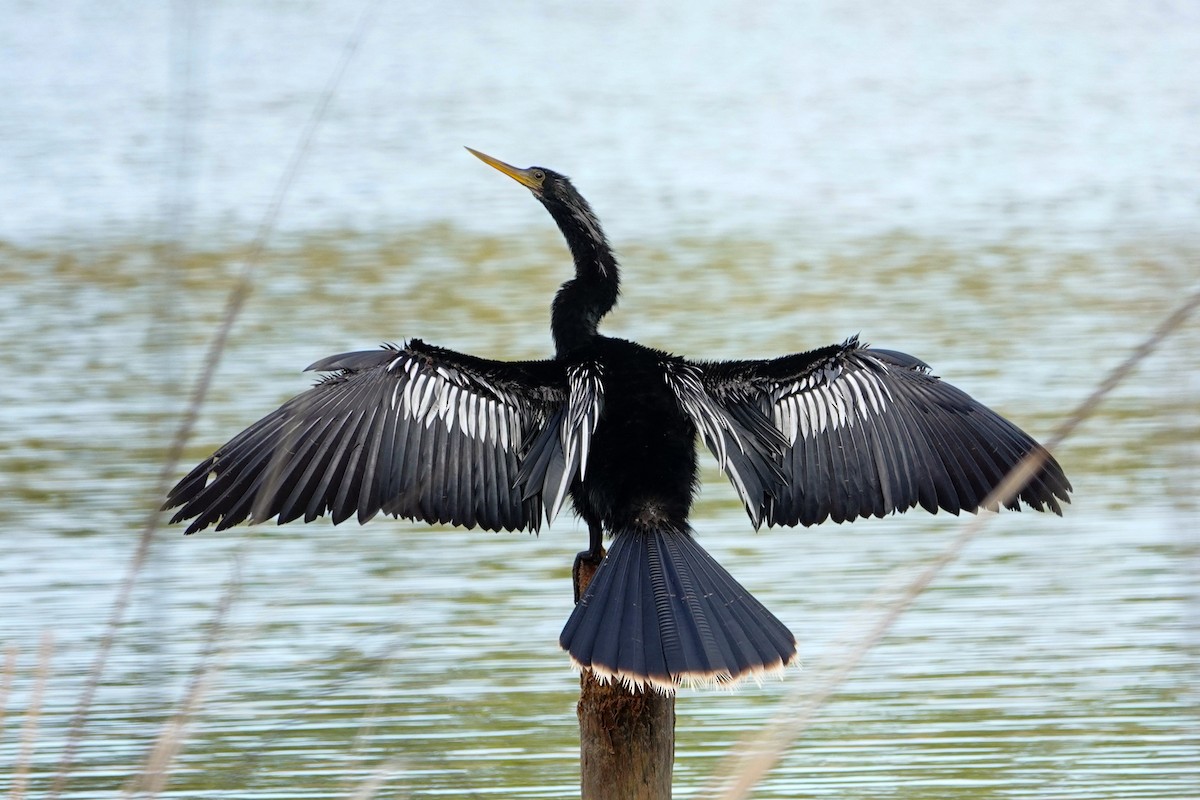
{"points": [[644, 431], [426, 433]]}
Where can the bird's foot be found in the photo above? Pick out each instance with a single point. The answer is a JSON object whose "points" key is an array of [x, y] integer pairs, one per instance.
{"points": [[591, 558]]}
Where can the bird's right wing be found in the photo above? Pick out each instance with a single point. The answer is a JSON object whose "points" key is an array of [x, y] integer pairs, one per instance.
{"points": [[416, 431], [560, 451], [868, 432]]}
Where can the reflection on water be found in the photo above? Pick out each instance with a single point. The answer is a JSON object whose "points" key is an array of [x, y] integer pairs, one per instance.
{"points": [[1057, 659]]}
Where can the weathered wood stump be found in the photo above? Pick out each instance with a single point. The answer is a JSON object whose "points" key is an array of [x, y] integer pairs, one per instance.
{"points": [[626, 738]]}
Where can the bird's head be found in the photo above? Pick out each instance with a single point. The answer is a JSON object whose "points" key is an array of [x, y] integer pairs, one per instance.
{"points": [[539, 180], [554, 190], [592, 293]]}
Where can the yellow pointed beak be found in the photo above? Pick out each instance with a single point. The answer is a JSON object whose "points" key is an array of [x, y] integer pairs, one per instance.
{"points": [[530, 178]]}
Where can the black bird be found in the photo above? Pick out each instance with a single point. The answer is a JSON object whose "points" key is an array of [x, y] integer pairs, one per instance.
{"points": [[425, 433]]}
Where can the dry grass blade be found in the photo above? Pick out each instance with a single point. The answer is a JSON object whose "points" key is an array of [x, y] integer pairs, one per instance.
{"points": [[233, 306], [153, 777], [371, 786], [33, 713], [6, 679], [753, 759]]}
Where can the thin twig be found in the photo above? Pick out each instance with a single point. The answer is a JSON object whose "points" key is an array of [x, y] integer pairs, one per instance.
{"points": [[753, 759], [233, 306]]}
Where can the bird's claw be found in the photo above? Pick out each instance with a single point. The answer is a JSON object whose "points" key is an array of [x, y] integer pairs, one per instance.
{"points": [[591, 557]]}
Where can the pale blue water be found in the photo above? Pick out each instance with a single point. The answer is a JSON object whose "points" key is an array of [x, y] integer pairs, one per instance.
{"points": [[1008, 193], [1066, 120]]}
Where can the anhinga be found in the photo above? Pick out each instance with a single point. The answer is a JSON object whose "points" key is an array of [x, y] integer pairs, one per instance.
{"points": [[429, 434]]}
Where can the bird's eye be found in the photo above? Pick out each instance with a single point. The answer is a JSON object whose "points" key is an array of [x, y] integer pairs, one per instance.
{"points": [[539, 175]]}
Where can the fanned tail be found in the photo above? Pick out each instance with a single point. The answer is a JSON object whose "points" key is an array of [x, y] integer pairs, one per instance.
{"points": [[661, 612]]}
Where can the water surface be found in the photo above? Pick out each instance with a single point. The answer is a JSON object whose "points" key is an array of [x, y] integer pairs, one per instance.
{"points": [[1008, 194]]}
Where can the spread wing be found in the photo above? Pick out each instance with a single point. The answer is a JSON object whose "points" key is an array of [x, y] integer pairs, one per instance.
{"points": [[748, 448], [869, 432], [561, 449], [415, 431]]}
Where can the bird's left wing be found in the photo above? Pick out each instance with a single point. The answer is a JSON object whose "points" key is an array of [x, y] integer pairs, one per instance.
{"points": [[417, 431], [869, 432]]}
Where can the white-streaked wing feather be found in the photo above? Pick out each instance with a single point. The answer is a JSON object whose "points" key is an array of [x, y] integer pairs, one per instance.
{"points": [[870, 432], [417, 432], [745, 446], [560, 453]]}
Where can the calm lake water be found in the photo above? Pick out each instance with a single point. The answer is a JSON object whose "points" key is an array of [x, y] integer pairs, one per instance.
{"points": [[1008, 193]]}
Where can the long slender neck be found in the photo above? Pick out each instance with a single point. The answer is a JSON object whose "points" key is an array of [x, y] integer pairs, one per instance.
{"points": [[582, 301]]}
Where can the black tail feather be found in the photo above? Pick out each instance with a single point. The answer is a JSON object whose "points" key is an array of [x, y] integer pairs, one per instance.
{"points": [[661, 612]]}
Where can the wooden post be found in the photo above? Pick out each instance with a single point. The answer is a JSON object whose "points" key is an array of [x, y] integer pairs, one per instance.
{"points": [[626, 738]]}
